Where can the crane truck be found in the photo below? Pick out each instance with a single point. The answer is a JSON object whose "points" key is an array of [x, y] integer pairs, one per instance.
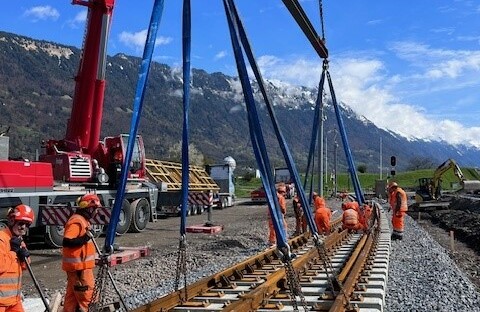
{"points": [[81, 162]]}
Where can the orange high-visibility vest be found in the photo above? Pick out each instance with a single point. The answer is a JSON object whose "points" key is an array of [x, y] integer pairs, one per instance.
{"points": [[82, 257], [10, 271], [350, 218], [403, 197], [319, 203]]}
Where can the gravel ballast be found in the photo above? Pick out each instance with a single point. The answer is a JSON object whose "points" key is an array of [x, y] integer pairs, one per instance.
{"points": [[421, 275]]}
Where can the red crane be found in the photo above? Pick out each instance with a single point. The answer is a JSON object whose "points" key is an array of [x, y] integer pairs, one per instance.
{"points": [[80, 156]]}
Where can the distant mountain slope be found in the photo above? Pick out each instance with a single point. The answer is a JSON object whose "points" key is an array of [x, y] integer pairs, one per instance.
{"points": [[37, 84]]}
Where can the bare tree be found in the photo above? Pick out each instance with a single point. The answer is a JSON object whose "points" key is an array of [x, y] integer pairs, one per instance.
{"points": [[195, 156]]}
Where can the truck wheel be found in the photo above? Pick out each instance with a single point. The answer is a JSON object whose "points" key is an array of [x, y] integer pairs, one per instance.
{"points": [[193, 209], [224, 202], [54, 235], [124, 219], [97, 230], [141, 215], [200, 209]]}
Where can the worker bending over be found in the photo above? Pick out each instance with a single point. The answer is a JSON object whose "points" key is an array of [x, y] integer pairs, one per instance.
{"points": [[323, 214], [351, 218], [399, 207], [79, 255], [281, 192], [13, 255], [300, 219]]}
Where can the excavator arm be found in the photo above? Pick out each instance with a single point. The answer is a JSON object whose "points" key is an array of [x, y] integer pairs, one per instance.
{"points": [[444, 167]]}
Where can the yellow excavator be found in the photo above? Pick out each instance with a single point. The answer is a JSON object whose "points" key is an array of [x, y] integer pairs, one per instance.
{"points": [[431, 188]]}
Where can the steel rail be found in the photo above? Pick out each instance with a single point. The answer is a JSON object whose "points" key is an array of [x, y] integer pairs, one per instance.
{"points": [[259, 283], [227, 276], [352, 271]]}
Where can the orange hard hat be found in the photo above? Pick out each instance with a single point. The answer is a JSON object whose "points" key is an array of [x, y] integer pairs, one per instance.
{"points": [[21, 213], [88, 201], [350, 205]]}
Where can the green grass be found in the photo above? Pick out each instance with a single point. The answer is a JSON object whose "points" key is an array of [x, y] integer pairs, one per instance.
{"points": [[407, 180]]}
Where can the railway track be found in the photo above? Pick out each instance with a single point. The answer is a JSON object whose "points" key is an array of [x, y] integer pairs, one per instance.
{"points": [[351, 276]]}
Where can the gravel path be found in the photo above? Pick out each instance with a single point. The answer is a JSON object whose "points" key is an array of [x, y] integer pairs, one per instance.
{"points": [[410, 287], [422, 276]]}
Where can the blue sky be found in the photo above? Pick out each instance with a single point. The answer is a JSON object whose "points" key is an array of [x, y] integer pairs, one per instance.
{"points": [[409, 66]]}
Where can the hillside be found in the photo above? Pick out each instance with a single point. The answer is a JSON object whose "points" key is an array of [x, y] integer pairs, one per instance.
{"points": [[37, 85]]}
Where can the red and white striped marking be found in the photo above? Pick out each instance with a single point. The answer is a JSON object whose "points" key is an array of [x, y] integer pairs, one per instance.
{"points": [[59, 215], [198, 199]]}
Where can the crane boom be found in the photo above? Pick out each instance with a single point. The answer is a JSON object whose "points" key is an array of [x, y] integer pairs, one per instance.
{"points": [[83, 130]]}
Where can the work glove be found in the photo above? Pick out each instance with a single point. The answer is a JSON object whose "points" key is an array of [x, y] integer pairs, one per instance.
{"points": [[15, 243], [23, 254], [84, 239]]}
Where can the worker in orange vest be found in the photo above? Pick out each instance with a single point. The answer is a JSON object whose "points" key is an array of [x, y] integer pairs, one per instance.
{"points": [[367, 213], [323, 214], [300, 219], [281, 192], [399, 207], [78, 254], [13, 255], [351, 216]]}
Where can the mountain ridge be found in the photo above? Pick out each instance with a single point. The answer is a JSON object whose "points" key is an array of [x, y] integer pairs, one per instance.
{"points": [[37, 85]]}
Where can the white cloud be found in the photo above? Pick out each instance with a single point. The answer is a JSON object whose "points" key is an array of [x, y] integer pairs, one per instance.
{"points": [[42, 13], [137, 40], [375, 22], [365, 86], [79, 19], [437, 63], [220, 55]]}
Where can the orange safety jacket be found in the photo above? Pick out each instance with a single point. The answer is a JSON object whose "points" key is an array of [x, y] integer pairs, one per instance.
{"points": [[319, 203], [10, 271], [350, 218], [398, 200], [82, 257]]}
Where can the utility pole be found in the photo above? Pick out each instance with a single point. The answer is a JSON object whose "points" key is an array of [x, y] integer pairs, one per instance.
{"points": [[326, 162], [381, 168], [335, 161], [320, 152]]}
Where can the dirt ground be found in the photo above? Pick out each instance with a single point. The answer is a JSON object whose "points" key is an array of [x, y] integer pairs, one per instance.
{"points": [[163, 236], [457, 229]]}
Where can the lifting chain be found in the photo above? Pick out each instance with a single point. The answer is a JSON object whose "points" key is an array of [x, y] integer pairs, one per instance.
{"points": [[320, 5], [335, 284], [98, 297], [292, 279], [182, 266]]}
